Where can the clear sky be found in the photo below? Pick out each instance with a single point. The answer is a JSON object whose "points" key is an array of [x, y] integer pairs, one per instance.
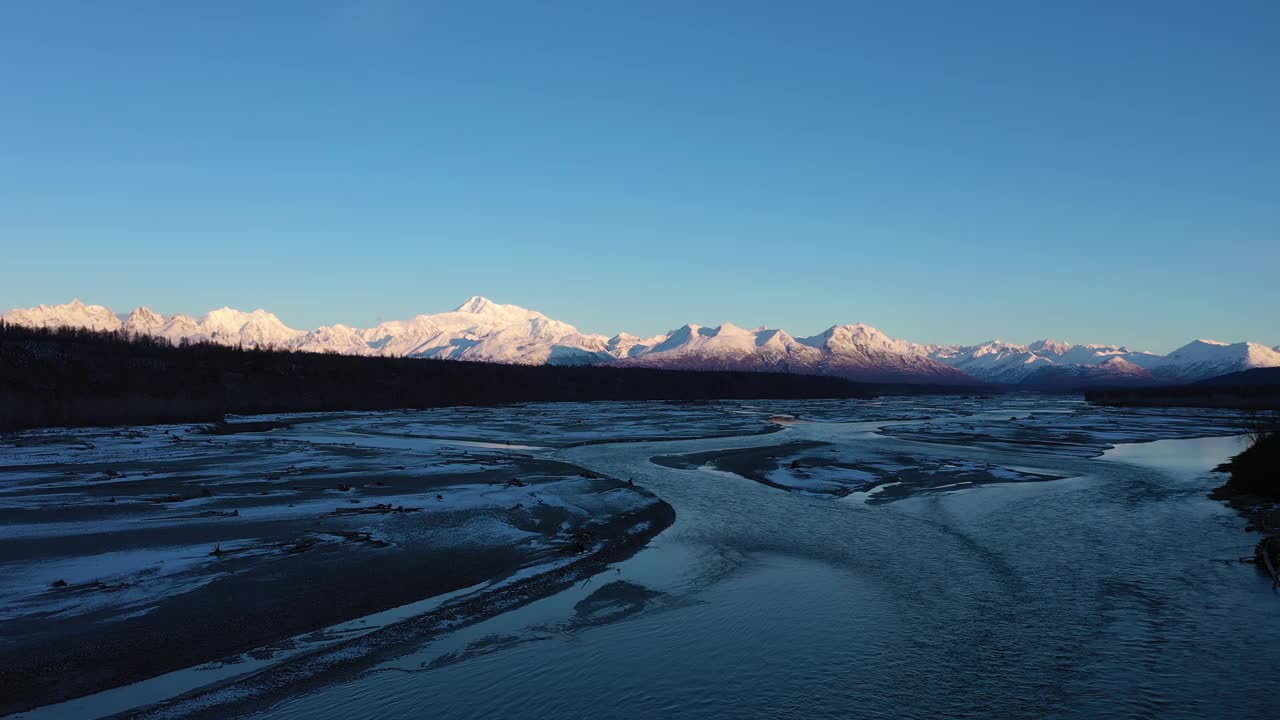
{"points": [[1094, 170]]}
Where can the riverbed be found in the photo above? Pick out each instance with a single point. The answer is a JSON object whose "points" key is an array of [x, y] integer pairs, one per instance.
{"points": [[1015, 557]]}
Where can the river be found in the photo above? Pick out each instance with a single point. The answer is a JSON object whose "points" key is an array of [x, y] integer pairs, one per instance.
{"points": [[1113, 593]]}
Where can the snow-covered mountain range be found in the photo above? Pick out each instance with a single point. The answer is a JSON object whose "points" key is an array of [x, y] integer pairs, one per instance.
{"points": [[481, 329], [1049, 363]]}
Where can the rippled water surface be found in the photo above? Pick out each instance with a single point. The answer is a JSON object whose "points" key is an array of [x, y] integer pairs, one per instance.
{"points": [[1112, 593]]}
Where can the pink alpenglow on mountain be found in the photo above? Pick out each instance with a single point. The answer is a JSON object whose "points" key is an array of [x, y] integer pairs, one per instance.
{"points": [[481, 329]]}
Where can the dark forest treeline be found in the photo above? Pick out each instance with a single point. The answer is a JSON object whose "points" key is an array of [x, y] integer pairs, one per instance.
{"points": [[1256, 389], [70, 377]]}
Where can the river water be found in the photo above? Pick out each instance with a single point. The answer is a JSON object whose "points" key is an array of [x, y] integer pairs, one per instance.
{"points": [[1114, 593]]}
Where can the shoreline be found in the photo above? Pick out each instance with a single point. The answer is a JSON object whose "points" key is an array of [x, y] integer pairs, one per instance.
{"points": [[1250, 491], [1263, 516]]}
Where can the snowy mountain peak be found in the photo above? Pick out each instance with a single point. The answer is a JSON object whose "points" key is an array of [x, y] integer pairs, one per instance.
{"points": [[1120, 364], [144, 313], [73, 314], [862, 337], [257, 328], [486, 310], [143, 321], [476, 305], [1050, 345], [1206, 358], [1200, 346]]}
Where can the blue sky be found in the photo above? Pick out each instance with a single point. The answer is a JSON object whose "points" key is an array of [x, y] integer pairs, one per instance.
{"points": [[947, 171]]}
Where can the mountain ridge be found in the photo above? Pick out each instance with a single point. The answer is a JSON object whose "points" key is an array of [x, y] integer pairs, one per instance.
{"points": [[481, 329]]}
